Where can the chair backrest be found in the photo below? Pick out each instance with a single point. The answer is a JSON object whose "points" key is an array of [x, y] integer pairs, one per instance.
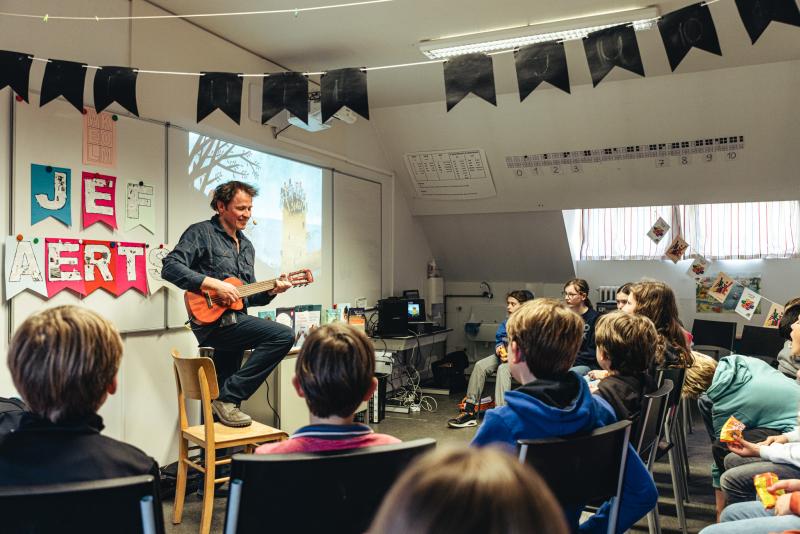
{"points": [[716, 333], [570, 465], [128, 505], [650, 425], [186, 370], [676, 375], [321, 492], [760, 341]]}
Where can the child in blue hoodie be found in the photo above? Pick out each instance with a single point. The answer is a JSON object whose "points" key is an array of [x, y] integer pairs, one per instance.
{"points": [[544, 336]]}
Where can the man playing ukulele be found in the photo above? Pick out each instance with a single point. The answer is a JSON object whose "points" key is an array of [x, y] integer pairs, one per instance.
{"points": [[208, 253]]}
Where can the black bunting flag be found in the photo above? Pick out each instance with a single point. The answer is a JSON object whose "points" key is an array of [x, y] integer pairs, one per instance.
{"points": [[691, 26], [469, 73], [285, 90], [344, 87], [757, 14], [63, 78], [541, 62], [612, 47], [115, 84], [15, 70], [220, 90]]}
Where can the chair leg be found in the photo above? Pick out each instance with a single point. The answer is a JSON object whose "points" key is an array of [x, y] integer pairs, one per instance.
{"points": [[208, 495], [653, 521], [677, 488], [180, 487], [683, 453]]}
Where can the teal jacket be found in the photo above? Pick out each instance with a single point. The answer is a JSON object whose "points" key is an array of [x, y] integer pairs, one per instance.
{"points": [[755, 394]]}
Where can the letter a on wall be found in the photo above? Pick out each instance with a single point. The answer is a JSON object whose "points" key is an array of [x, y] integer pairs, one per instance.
{"points": [[24, 266], [51, 194], [99, 199], [64, 266]]}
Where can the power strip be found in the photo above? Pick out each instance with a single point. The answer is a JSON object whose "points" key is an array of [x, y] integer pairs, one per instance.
{"points": [[397, 409]]}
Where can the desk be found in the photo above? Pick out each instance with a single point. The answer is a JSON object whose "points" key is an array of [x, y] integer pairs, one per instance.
{"points": [[399, 344]]}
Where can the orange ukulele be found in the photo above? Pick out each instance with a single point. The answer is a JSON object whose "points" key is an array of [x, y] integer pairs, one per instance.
{"points": [[205, 308]]}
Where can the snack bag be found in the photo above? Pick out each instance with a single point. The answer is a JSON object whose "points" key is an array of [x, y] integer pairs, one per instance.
{"points": [[761, 483], [503, 353], [731, 430]]}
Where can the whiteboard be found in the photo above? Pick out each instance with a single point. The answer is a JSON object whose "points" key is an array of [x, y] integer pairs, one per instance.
{"points": [[356, 239], [52, 135]]}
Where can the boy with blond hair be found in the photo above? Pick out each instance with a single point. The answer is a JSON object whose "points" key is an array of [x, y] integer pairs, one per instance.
{"points": [[335, 373], [544, 336]]}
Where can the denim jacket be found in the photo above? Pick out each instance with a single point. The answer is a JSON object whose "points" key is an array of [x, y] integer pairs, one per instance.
{"points": [[205, 249]]}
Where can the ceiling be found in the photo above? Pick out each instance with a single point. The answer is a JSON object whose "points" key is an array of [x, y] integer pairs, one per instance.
{"points": [[388, 33]]}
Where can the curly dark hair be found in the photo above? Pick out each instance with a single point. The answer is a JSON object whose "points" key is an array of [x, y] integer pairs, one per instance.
{"points": [[225, 192]]}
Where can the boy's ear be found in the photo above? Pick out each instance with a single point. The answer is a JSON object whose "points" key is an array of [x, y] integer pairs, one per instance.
{"points": [[514, 354], [371, 389], [112, 387], [297, 387]]}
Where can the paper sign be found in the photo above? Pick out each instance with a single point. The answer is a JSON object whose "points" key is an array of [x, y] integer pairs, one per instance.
{"points": [[24, 266], [99, 139], [51, 193], [774, 316], [155, 259], [720, 287], [99, 199], [698, 267], [748, 303], [140, 206], [99, 266], [64, 266], [131, 267], [676, 249], [658, 231]]}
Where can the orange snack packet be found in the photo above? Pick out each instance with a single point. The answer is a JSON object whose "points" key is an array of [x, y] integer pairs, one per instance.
{"points": [[731, 430], [503, 353], [761, 483]]}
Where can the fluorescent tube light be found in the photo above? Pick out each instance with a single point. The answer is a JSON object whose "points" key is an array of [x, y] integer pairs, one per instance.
{"points": [[511, 38]]}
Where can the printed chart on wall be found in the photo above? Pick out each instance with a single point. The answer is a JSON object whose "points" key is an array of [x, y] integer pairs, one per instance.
{"points": [[450, 174]]}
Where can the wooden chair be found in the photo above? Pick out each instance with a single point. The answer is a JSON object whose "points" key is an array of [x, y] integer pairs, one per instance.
{"points": [[196, 379]]}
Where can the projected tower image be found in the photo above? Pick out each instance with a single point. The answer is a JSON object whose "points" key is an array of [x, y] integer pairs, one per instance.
{"points": [[293, 239]]}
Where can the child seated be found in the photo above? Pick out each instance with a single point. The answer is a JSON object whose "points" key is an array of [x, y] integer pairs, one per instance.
{"points": [[544, 336], [626, 344], [465, 491], [335, 372], [64, 363]]}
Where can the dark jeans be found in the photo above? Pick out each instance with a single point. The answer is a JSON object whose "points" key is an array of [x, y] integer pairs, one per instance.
{"points": [[270, 342]]}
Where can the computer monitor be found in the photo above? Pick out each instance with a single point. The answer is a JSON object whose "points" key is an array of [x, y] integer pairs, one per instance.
{"points": [[715, 333], [416, 310]]}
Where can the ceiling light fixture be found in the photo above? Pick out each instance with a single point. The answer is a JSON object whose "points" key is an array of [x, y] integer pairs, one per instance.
{"points": [[512, 38]]}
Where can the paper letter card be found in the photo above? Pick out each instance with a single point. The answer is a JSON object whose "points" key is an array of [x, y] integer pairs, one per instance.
{"points": [[450, 174], [131, 267], [774, 316], [155, 259], [676, 249], [64, 265], [698, 267], [99, 139], [748, 303], [51, 194], [139, 206], [24, 267], [720, 287], [99, 199], [658, 231], [99, 266]]}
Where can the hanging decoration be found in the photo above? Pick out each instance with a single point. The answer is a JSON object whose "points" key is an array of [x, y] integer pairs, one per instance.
{"points": [[24, 264], [63, 78], [612, 47], [220, 90], [541, 62], [748, 303], [757, 14], [469, 73], [140, 209], [685, 28], [15, 71], [99, 199], [155, 259], [51, 193], [64, 266], [99, 262], [285, 90], [774, 316], [115, 84], [344, 87], [131, 267]]}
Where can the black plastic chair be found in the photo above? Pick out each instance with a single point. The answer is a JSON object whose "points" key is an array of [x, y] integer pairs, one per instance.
{"points": [[128, 505], [564, 463], [714, 338], [319, 492], [760, 342], [675, 435]]}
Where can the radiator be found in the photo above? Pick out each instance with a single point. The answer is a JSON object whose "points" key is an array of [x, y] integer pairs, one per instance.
{"points": [[607, 293]]}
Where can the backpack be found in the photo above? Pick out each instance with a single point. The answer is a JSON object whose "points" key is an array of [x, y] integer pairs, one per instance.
{"points": [[11, 412]]}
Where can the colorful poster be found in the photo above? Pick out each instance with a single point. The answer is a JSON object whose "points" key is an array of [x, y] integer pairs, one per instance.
{"points": [[24, 264], [747, 304], [658, 231], [131, 267], [51, 193], [99, 139], [774, 316], [720, 287], [140, 206], [99, 199], [698, 267], [676, 249], [99, 266], [64, 265], [155, 259], [705, 303]]}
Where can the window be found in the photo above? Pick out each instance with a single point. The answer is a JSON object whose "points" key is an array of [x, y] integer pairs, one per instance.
{"points": [[744, 230]]}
